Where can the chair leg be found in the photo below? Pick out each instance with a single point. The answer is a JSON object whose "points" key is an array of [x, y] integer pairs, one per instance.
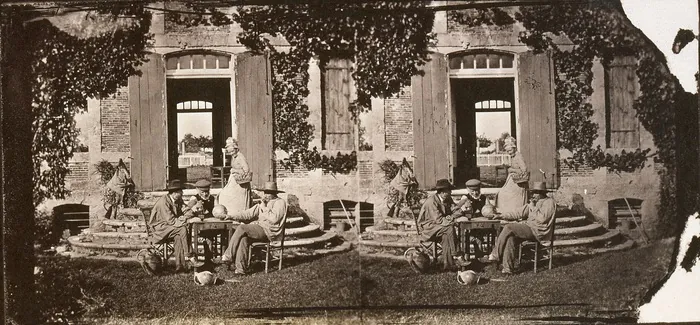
{"points": [[551, 256], [537, 249], [520, 254], [267, 259], [282, 257], [250, 254]]}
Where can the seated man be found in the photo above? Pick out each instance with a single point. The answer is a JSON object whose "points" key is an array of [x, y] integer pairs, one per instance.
{"points": [[269, 215], [169, 220], [435, 221], [540, 218], [474, 202], [202, 205]]}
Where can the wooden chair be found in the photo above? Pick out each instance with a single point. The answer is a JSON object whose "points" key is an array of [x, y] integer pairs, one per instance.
{"points": [[220, 175], [540, 251], [269, 248], [164, 246]]}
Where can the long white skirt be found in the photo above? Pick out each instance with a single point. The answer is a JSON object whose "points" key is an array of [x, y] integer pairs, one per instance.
{"points": [[511, 196], [235, 197]]}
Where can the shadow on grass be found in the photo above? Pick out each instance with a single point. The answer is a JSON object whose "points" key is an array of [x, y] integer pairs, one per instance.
{"points": [[281, 313], [611, 320]]}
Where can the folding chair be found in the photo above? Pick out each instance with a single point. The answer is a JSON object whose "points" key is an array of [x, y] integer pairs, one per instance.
{"points": [[540, 251], [268, 248]]}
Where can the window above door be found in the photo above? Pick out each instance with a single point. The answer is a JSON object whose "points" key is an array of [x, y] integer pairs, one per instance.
{"points": [[480, 63], [198, 65]]}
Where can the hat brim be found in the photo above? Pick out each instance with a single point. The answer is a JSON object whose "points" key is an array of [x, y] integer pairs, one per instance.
{"points": [[176, 188]]}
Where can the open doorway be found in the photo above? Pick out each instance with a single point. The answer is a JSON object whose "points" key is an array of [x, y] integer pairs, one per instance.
{"points": [[485, 113], [199, 115]]}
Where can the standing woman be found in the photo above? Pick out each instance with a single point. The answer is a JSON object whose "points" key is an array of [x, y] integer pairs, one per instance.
{"points": [[235, 196], [513, 194]]}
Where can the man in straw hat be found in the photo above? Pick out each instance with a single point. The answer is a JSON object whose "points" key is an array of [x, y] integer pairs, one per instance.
{"points": [[169, 220], [539, 215], [267, 218], [435, 221]]}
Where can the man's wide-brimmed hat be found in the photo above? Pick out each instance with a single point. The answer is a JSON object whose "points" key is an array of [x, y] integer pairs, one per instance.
{"points": [[173, 185], [270, 187], [202, 183], [539, 187], [443, 184], [473, 183]]}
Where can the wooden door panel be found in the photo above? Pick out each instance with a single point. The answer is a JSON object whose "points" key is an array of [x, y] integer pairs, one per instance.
{"points": [[148, 125], [537, 115], [254, 114]]}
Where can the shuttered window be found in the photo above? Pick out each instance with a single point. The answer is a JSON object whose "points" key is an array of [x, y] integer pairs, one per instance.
{"points": [[338, 128], [621, 89]]}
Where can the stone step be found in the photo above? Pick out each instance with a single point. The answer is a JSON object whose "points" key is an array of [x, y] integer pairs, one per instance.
{"points": [[406, 242], [310, 241], [390, 232], [594, 240], [577, 231], [301, 230], [125, 226], [571, 221]]}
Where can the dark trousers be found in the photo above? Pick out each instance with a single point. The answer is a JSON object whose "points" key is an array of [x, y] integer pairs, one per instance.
{"points": [[239, 243], [448, 239], [511, 236], [181, 242]]}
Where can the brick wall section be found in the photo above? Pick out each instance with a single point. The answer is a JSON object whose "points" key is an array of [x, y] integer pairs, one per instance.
{"points": [[78, 171], [114, 120], [398, 117], [299, 172], [567, 171], [366, 174]]}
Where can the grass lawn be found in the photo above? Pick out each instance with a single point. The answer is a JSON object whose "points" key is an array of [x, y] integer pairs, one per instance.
{"points": [[358, 289]]}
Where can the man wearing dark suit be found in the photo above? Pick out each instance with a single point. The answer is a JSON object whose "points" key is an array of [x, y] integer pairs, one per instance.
{"points": [[435, 221]]}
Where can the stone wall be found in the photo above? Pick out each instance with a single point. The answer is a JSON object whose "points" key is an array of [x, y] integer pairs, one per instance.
{"points": [[114, 120]]}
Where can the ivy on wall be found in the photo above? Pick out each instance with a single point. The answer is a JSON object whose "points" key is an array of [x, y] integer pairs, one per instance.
{"points": [[66, 70], [387, 41], [600, 29]]}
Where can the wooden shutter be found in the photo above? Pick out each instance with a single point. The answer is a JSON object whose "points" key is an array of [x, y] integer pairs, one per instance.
{"points": [[623, 126], [537, 115], [254, 114], [148, 125], [431, 122], [338, 126]]}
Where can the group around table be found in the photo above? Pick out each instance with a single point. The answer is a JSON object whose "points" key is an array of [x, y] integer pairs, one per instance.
{"points": [[171, 216], [440, 219]]}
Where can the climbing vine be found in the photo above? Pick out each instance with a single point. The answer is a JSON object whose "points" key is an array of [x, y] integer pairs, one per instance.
{"points": [[598, 30], [66, 70], [386, 50]]}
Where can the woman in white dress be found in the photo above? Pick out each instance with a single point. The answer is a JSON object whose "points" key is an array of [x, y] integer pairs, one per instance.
{"points": [[513, 194], [235, 196]]}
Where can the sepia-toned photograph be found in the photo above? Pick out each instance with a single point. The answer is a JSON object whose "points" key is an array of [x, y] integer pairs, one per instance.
{"points": [[350, 162]]}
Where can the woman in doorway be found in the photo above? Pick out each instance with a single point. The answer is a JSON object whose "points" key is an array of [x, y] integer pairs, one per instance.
{"points": [[235, 196], [513, 194]]}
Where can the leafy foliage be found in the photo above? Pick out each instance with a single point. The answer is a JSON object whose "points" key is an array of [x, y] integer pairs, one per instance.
{"points": [[44, 230], [599, 31], [106, 170], [66, 70], [194, 144], [65, 293], [386, 50], [415, 196]]}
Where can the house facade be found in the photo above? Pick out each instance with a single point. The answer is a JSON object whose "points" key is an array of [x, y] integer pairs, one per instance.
{"points": [[481, 82]]}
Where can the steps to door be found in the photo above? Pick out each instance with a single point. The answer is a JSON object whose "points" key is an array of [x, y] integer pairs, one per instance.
{"points": [[574, 235], [126, 235]]}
